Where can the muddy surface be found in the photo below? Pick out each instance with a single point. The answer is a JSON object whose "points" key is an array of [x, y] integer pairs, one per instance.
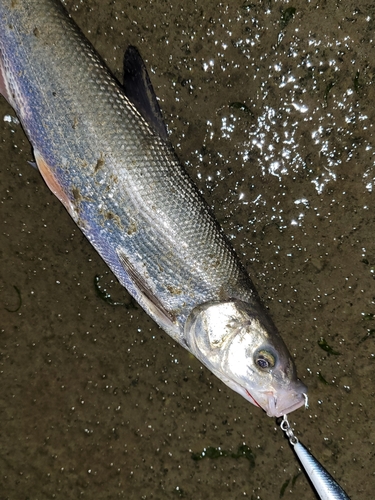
{"points": [[270, 107]]}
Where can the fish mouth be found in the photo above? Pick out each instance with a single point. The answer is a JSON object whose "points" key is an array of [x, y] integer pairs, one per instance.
{"points": [[277, 404], [278, 408]]}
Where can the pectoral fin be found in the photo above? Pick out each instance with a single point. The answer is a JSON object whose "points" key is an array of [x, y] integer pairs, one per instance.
{"points": [[151, 304]]}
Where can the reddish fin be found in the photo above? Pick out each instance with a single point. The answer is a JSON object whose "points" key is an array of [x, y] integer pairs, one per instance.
{"points": [[53, 184]]}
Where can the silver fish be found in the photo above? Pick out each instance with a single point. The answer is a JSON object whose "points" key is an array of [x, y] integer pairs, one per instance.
{"points": [[110, 163]]}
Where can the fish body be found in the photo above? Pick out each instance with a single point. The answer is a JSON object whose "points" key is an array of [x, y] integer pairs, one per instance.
{"points": [[122, 184]]}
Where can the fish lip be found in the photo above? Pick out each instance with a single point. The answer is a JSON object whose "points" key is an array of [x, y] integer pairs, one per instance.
{"points": [[289, 399], [284, 411], [274, 406]]}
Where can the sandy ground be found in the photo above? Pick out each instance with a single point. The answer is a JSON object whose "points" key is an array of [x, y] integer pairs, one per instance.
{"points": [[270, 107]]}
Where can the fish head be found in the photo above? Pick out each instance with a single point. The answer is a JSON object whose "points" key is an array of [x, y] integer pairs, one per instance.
{"points": [[239, 343]]}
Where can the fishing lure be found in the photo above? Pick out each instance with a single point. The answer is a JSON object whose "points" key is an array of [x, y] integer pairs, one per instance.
{"points": [[326, 487]]}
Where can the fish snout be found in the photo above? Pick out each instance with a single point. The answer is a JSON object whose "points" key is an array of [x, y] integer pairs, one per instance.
{"points": [[284, 401]]}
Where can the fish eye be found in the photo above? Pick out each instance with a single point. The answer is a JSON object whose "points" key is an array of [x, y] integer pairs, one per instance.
{"points": [[264, 359]]}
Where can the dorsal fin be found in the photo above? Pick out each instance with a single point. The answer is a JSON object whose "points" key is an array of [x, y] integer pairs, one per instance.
{"points": [[138, 88]]}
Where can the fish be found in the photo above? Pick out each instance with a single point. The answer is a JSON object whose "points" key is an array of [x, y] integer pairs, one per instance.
{"points": [[103, 150]]}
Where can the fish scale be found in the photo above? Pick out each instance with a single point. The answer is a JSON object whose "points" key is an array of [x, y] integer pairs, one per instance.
{"points": [[124, 187]]}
